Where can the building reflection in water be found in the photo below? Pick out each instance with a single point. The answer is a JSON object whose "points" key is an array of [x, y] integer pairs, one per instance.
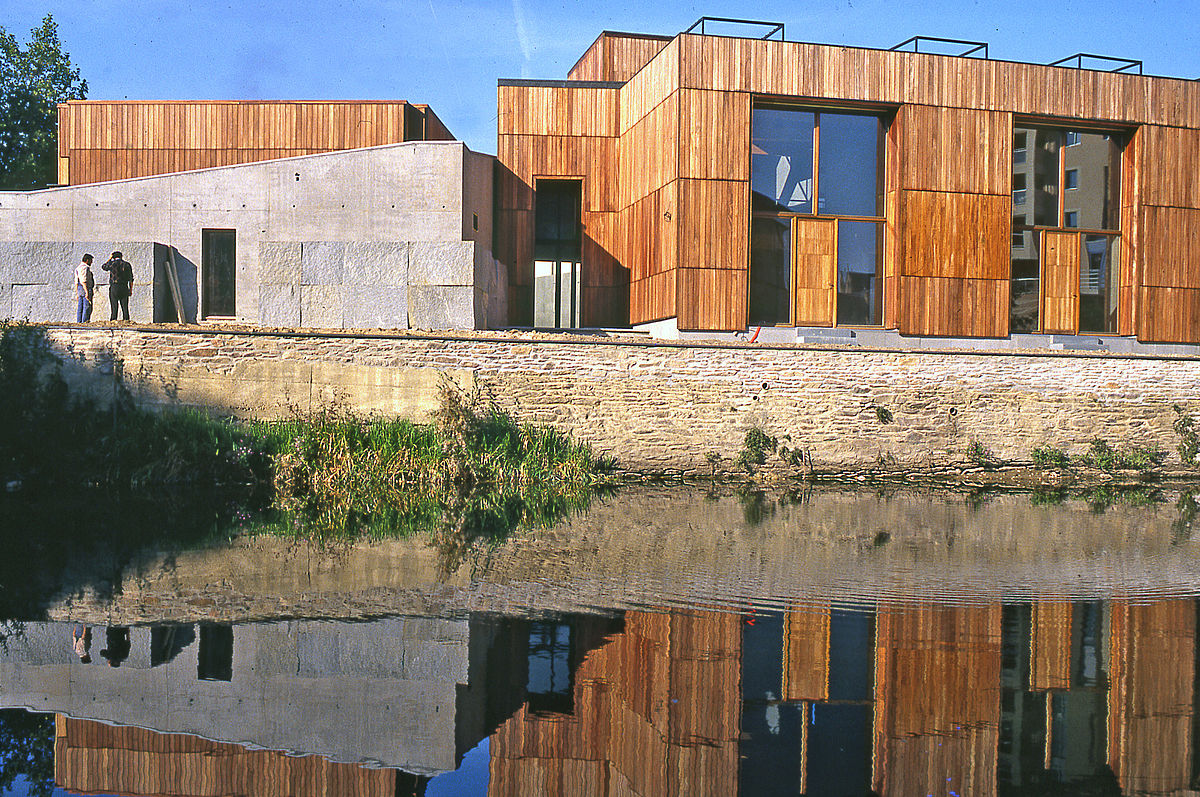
{"points": [[1085, 697]]}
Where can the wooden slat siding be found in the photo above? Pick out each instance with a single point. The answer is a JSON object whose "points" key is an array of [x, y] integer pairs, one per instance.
{"points": [[557, 111], [657, 81], [892, 239], [815, 248], [836, 72], [1050, 646], [653, 298], [648, 157], [617, 56], [1152, 653], [969, 308], [1170, 170], [806, 654], [926, 739], [1170, 247], [713, 250], [955, 235], [714, 130], [93, 757], [955, 150], [1169, 315], [1060, 282], [105, 140], [1130, 273]]}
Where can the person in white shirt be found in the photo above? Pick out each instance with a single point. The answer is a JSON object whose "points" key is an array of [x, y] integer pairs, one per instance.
{"points": [[85, 284]]}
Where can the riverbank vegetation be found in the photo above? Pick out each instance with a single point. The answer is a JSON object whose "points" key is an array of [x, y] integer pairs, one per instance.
{"points": [[473, 471]]}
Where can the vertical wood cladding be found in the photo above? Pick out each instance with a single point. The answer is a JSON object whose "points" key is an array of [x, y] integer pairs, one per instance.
{"points": [[100, 141], [617, 56], [925, 737], [806, 654], [1050, 645], [815, 251], [1060, 282], [657, 710], [1151, 695], [682, 122]]}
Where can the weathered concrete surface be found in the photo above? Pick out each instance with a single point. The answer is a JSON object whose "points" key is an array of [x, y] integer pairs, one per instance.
{"points": [[676, 547], [668, 406], [383, 693], [329, 240]]}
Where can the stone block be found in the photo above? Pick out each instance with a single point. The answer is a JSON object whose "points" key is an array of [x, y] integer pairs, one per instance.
{"points": [[321, 262], [279, 305], [279, 262], [375, 263], [442, 263], [321, 306], [375, 307], [441, 307]]}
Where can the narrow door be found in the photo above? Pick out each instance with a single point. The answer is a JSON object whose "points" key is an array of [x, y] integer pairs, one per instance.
{"points": [[219, 260], [557, 253]]}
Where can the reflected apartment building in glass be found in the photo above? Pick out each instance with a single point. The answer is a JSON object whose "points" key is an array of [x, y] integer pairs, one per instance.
{"points": [[727, 183]]}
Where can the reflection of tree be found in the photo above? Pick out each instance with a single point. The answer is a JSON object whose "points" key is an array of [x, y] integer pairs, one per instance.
{"points": [[27, 750]]}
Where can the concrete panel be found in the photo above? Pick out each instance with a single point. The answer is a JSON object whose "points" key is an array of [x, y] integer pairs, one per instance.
{"points": [[332, 181], [321, 306], [415, 225], [322, 262], [37, 262], [375, 307], [441, 307], [41, 303], [369, 263], [442, 263], [279, 263], [279, 305]]}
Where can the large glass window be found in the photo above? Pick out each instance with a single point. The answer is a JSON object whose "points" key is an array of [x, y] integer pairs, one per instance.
{"points": [[1066, 181], [806, 164]]}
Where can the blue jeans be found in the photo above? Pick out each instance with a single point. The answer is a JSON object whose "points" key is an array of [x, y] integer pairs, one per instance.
{"points": [[83, 313]]}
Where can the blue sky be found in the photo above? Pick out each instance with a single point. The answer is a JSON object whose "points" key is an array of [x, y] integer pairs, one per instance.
{"points": [[449, 53]]}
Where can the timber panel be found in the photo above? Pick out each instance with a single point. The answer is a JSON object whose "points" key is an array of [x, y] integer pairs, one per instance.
{"points": [[104, 140], [653, 298], [713, 232], [847, 73], [1170, 247], [1050, 645], [592, 158], [650, 225], [1169, 315], [649, 159], [1168, 154], [617, 56], [714, 135], [815, 275], [806, 654], [955, 235], [954, 307], [1150, 698], [711, 298], [955, 150], [1060, 282], [557, 111]]}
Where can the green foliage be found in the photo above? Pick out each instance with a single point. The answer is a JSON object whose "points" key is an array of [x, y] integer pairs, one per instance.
{"points": [[34, 79], [1189, 435], [27, 750], [1049, 458], [1103, 456], [979, 455], [883, 415], [755, 447]]}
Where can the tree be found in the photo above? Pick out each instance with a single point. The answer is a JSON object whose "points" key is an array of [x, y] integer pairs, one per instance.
{"points": [[33, 81]]}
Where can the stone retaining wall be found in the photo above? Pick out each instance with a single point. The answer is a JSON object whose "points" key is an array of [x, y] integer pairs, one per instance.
{"points": [[660, 405]]}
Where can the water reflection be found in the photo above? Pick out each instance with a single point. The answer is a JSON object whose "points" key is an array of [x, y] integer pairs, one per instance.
{"points": [[1062, 697], [842, 644]]}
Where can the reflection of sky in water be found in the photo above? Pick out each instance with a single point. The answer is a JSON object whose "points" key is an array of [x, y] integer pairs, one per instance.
{"points": [[470, 778]]}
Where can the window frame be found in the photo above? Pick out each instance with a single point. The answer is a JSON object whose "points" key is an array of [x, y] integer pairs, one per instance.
{"points": [[885, 115]]}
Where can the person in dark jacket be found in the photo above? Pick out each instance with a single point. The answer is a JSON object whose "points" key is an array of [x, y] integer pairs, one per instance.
{"points": [[120, 285]]}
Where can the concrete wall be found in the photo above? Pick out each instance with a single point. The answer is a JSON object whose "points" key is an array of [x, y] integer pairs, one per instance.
{"points": [[396, 236], [667, 406], [382, 692]]}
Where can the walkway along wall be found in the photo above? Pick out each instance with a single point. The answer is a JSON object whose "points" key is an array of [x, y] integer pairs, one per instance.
{"points": [[662, 405]]}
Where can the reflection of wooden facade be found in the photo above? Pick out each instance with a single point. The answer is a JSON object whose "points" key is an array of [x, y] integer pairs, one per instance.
{"points": [[937, 700], [662, 149], [91, 757], [1151, 696], [628, 734], [100, 141]]}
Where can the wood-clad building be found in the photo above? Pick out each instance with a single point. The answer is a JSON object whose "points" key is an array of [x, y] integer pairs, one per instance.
{"points": [[717, 183], [101, 140]]}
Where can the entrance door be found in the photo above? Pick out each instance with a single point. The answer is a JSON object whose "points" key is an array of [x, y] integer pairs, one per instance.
{"points": [[557, 254], [219, 264]]}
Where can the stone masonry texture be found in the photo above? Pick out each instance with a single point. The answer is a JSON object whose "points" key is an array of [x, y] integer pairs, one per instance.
{"points": [[663, 406]]}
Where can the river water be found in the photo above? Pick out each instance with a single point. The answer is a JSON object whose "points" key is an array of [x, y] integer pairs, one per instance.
{"points": [[666, 641]]}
